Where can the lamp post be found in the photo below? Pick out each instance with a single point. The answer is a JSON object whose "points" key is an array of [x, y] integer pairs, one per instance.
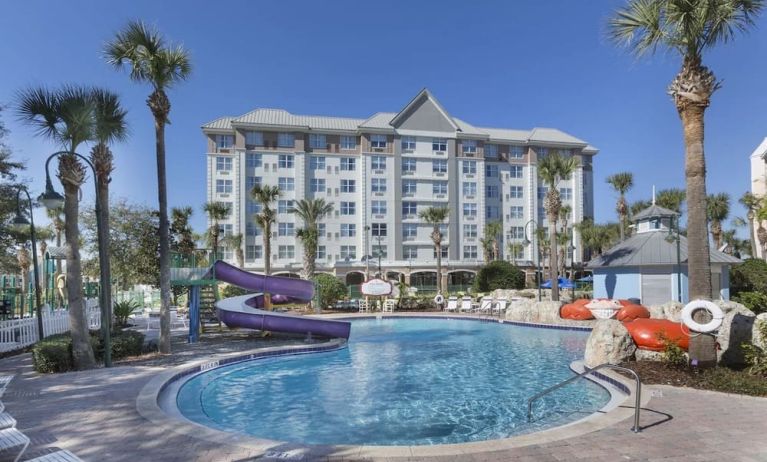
{"points": [[526, 243], [53, 200], [20, 223], [367, 254], [669, 238], [571, 248]]}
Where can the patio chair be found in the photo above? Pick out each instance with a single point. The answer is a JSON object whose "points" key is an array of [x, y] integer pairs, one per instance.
{"points": [[500, 306], [485, 305], [364, 307], [389, 305], [466, 304], [12, 442], [175, 319], [6, 421], [452, 304], [61, 455]]}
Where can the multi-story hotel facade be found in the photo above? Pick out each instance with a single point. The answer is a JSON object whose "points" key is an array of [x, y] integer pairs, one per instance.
{"points": [[758, 160], [379, 173]]}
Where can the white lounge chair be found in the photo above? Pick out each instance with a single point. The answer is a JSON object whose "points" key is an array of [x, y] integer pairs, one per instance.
{"points": [[485, 305], [452, 304], [58, 456], [6, 421], [389, 305], [12, 442], [500, 306], [466, 305], [363, 306]]}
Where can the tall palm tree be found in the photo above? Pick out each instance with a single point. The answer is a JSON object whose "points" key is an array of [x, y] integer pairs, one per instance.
{"points": [[216, 211], [621, 183], [751, 202], [181, 231], [153, 61], [638, 206], [717, 209], [493, 232], [689, 28], [487, 249], [24, 260], [435, 216], [266, 195], [761, 233], [310, 211], [234, 241], [66, 116], [552, 169], [672, 199]]}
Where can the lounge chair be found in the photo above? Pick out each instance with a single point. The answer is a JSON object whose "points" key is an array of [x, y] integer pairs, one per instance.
{"points": [[452, 304], [6, 421], [389, 305], [12, 442], [466, 304], [363, 306], [500, 306], [485, 305], [58, 456]]}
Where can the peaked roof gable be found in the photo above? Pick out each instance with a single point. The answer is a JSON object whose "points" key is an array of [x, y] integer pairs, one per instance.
{"points": [[419, 114]]}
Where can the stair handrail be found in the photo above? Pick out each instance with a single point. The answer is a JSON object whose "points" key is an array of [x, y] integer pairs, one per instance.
{"points": [[635, 429]]}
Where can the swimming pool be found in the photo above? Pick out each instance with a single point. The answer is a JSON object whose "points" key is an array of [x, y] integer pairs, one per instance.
{"points": [[401, 381]]}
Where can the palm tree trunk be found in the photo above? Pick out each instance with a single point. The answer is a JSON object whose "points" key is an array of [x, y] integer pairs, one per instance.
{"points": [[621, 224], [267, 261], [553, 263], [162, 195], [752, 234], [102, 161]]}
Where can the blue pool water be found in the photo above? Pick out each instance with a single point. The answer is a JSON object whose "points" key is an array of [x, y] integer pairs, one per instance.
{"points": [[401, 382]]}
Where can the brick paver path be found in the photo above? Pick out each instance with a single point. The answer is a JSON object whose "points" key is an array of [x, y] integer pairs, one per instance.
{"points": [[93, 414]]}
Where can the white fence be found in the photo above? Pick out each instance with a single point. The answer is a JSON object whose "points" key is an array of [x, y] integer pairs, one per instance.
{"points": [[20, 333]]}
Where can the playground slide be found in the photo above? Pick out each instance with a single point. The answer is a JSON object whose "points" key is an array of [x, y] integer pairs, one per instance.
{"points": [[244, 311]]}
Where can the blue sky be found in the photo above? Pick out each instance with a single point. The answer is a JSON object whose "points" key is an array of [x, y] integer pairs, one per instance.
{"points": [[500, 64]]}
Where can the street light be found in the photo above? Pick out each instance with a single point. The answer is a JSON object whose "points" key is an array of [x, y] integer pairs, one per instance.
{"points": [[53, 200], [671, 238], [526, 243], [571, 249], [21, 224]]}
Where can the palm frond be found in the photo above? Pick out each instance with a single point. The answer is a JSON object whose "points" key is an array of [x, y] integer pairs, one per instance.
{"points": [[110, 123]]}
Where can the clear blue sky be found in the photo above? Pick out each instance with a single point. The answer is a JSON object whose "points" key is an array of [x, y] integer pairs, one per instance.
{"points": [[501, 64]]}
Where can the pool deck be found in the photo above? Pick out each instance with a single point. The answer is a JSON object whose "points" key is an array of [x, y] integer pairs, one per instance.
{"points": [[93, 414]]}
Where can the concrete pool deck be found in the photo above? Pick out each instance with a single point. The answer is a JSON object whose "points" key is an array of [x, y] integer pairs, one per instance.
{"points": [[94, 414]]}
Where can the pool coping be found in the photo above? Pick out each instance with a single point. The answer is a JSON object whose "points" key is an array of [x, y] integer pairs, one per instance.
{"points": [[148, 405]]}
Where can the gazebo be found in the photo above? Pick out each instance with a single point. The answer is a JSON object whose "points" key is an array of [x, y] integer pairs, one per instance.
{"points": [[651, 265]]}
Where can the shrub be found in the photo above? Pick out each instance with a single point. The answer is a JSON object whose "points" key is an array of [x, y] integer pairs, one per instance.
{"points": [[751, 276], [754, 301], [232, 291], [672, 354], [127, 343], [756, 357], [122, 311], [499, 275], [329, 289], [54, 353]]}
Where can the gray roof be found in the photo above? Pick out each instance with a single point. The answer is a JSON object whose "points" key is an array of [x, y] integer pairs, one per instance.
{"points": [[56, 253], [222, 123], [654, 211], [283, 118], [651, 248]]}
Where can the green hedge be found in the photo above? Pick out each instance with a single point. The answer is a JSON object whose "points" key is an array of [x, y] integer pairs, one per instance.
{"points": [[54, 353], [499, 274], [754, 301], [750, 276]]}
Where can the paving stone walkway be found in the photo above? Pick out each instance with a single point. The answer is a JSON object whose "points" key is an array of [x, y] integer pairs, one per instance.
{"points": [[94, 415]]}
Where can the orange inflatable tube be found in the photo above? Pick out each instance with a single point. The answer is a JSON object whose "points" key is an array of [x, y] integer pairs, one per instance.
{"points": [[576, 310], [648, 333], [630, 312]]}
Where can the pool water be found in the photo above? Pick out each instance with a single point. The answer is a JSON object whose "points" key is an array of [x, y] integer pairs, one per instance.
{"points": [[401, 382]]}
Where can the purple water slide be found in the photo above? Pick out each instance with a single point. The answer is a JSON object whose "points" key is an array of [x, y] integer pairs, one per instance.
{"points": [[244, 311]]}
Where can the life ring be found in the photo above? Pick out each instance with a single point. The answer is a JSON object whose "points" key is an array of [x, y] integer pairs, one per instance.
{"points": [[717, 316], [439, 299]]}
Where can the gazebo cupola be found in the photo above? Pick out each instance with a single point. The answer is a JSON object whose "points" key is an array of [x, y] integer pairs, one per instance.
{"points": [[653, 218]]}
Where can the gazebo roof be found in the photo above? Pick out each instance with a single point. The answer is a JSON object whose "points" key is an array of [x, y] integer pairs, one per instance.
{"points": [[56, 253], [654, 211]]}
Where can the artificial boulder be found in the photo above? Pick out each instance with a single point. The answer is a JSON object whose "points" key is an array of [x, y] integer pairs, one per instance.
{"points": [[670, 310], [756, 336], [609, 342], [737, 328], [544, 312]]}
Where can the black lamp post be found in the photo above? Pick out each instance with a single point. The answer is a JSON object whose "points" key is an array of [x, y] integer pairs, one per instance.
{"points": [[20, 223], [571, 248], [526, 243], [53, 200]]}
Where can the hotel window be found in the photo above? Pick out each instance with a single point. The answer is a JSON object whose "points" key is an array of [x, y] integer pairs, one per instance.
{"points": [[228, 206], [253, 252], [378, 230], [542, 152], [409, 187], [378, 141], [286, 252], [348, 230], [469, 210], [470, 231], [566, 193], [227, 253], [469, 147], [378, 185], [408, 143], [285, 140], [439, 166], [491, 192], [254, 138], [410, 252], [491, 171], [253, 160], [470, 252], [286, 184], [348, 186], [378, 162], [317, 162], [224, 186], [408, 165], [285, 161], [321, 229], [348, 164], [516, 192], [516, 212], [251, 182], [542, 191], [439, 144], [439, 188], [224, 141], [492, 212], [251, 229], [443, 230], [223, 164], [469, 189], [380, 251], [443, 249], [378, 207], [321, 252], [348, 252], [317, 185], [515, 171], [284, 206], [286, 229], [348, 208], [348, 142], [409, 231], [469, 167], [517, 233], [517, 152], [491, 151], [225, 229], [317, 141], [252, 207], [409, 208]]}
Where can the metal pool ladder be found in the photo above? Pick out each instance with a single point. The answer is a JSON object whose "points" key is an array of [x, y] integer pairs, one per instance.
{"points": [[635, 429]]}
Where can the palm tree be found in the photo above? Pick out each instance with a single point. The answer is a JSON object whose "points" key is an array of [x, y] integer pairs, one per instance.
{"points": [[621, 183], [266, 195], [552, 169], [153, 61], [487, 248], [493, 232], [717, 209], [310, 211], [181, 233], [24, 260], [66, 116], [751, 202], [672, 199], [689, 28], [216, 211], [234, 241], [638, 206], [435, 216], [761, 233]]}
